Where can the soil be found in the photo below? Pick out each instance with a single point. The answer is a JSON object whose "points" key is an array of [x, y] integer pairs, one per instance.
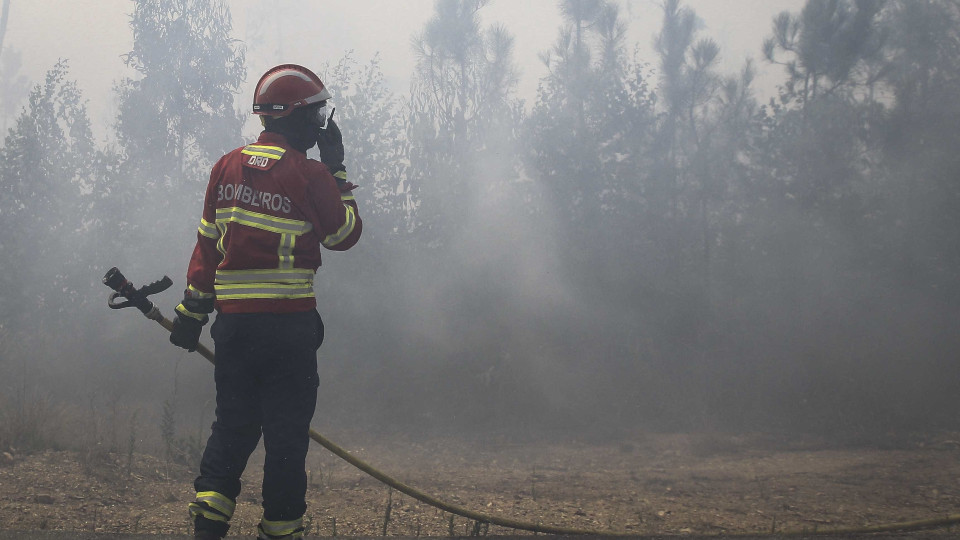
{"points": [[647, 484]]}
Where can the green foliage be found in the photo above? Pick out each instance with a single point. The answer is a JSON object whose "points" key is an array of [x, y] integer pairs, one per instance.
{"points": [[177, 117], [461, 110], [587, 135], [923, 52], [48, 163], [743, 233], [70, 208], [829, 45], [920, 137], [13, 85], [373, 126]]}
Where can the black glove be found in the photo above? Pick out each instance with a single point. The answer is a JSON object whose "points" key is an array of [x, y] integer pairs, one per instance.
{"points": [[191, 316], [330, 144], [186, 332], [343, 185]]}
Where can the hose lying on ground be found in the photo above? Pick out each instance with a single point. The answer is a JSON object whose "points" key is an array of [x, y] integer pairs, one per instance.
{"points": [[442, 505], [550, 529]]}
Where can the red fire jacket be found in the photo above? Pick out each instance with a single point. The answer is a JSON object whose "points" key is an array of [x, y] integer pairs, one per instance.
{"points": [[267, 212]]}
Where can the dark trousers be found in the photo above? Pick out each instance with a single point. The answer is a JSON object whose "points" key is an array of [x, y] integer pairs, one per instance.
{"points": [[266, 377]]}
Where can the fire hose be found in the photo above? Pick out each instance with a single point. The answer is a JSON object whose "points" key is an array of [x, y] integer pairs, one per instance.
{"points": [[138, 298]]}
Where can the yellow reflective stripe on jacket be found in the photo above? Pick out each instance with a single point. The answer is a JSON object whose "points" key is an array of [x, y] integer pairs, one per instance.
{"points": [[344, 231], [342, 175], [222, 227], [291, 529], [272, 152], [348, 196], [266, 222], [275, 275], [288, 229], [208, 229], [181, 309], [219, 502], [285, 250], [197, 293], [238, 291]]}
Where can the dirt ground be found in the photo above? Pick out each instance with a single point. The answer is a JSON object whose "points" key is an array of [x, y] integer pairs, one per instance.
{"points": [[648, 484]]}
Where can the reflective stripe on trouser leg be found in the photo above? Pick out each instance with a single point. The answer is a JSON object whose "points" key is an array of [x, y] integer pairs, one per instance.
{"points": [[211, 511], [276, 530], [217, 502]]}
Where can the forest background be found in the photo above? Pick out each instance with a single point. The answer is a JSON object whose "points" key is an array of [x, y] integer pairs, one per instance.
{"points": [[646, 246]]}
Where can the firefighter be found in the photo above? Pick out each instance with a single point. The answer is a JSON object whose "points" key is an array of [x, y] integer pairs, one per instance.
{"points": [[268, 210]]}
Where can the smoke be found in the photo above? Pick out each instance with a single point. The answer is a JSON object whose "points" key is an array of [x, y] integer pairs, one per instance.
{"points": [[789, 268]]}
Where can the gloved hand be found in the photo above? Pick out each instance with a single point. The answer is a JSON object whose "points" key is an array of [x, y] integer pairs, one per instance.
{"points": [[186, 332], [345, 186], [330, 144], [191, 316]]}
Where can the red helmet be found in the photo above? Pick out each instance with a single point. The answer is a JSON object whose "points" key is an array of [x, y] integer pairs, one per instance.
{"points": [[285, 88]]}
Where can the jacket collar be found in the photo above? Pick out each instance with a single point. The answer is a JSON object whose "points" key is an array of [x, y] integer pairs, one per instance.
{"points": [[275, 139]]}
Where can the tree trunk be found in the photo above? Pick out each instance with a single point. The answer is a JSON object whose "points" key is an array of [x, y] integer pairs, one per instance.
{"points": [[3, 21]]}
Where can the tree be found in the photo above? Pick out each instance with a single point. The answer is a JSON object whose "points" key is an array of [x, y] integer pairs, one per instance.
{"points": [[836, 51], [687, 87], [374, 134], [591, 117], [461, 109], [373, 129], [699, 131], [921, 136], [47, 167], [13, 85], [817, 156], [923, 46], [177, 118], [4, 16], [831, 43], [822, 244]]}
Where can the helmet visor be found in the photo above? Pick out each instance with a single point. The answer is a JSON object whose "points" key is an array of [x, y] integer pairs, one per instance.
{"points": [[320, 114]]}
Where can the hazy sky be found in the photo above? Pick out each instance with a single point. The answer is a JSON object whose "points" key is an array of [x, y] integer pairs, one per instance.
{"points": [[94, 34]]}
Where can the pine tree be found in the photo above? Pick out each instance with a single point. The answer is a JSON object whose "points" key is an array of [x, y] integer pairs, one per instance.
{"points": [[827, 46], [921, 135], [461, 113], [585, 141]]}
